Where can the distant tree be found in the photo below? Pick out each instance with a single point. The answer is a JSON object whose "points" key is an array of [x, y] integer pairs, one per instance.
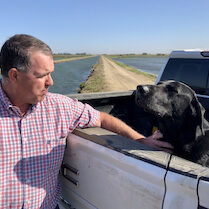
{"points": [[81, 53]]}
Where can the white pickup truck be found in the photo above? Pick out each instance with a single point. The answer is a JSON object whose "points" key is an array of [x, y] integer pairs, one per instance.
{"points": [[102, 170]]}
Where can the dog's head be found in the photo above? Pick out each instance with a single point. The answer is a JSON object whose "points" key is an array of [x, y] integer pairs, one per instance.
{"points": [[176, 108], [168, 98]]}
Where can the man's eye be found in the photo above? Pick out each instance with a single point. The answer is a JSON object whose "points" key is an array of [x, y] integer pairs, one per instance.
{"points": [[40, 76]]}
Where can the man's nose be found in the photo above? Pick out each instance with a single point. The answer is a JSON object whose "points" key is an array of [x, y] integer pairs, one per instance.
{"points": [[50, 81]]}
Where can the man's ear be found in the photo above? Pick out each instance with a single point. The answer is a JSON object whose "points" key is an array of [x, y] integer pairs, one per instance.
{"points": [[13, 74]]}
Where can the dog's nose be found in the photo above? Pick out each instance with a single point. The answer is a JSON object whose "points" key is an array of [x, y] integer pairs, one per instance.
{"points": [[143, 89]]}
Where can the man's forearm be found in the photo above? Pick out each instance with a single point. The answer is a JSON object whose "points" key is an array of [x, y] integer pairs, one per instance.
{"points": [[117, 126]]}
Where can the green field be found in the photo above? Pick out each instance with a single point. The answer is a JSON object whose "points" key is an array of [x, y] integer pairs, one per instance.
{"points": [[144, 55]]}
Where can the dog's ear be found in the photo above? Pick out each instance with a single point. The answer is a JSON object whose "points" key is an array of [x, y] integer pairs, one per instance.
{"points": [[180, 104], [198, 111]]}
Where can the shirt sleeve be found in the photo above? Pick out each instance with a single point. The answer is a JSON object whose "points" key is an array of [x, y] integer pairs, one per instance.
{"points": [[83, 115]]}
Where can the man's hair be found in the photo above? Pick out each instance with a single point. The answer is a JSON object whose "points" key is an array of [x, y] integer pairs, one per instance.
{"points": [[16, 52]]}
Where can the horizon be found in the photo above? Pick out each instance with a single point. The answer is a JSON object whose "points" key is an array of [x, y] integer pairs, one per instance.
{"points": [[83, 54], [110, 26]]}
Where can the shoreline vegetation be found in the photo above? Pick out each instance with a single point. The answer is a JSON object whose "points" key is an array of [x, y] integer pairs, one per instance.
{"points": [[67, 58], [143, 55], [97, 81]]}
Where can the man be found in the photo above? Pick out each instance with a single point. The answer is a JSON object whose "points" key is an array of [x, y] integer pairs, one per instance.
{"points": [[35, 124]]}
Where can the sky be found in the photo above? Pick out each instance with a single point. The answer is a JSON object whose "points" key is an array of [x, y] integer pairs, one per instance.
{"points": [[109, 26]]}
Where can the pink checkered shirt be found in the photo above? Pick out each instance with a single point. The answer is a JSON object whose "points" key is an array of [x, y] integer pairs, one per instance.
{"points": [[32, 147]]}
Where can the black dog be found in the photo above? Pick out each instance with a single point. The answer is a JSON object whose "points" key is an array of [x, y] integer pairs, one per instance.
{"points": [[179, 116]]}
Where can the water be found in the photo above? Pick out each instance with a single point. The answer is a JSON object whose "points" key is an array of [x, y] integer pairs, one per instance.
{"points": [[68, 76], [146, 64]]}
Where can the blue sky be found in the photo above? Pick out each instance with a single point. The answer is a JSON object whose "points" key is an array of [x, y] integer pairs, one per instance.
{"points": [[109, 26]]}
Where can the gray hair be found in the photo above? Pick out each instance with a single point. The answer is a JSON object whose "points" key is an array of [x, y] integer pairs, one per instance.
{"points": [[16, 52]]}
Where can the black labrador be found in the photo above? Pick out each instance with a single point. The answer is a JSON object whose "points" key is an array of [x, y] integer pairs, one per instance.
{"points": [[179, 116]]}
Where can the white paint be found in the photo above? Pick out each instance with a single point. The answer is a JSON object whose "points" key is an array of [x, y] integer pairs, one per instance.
{"points": [[203, 192], [181, 192], [111, 180]]}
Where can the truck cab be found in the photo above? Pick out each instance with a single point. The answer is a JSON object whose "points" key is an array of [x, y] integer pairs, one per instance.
{"points": [[192, 68]]}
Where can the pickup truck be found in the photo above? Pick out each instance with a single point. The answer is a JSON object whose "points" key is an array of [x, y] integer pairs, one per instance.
{"points": [[102, 170]]}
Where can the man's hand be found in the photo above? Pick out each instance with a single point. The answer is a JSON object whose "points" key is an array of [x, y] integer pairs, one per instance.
{"points": [[115, 125], [154, 142]]}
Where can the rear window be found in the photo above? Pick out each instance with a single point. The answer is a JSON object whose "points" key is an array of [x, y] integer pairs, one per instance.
{"points": [[193, 72]]}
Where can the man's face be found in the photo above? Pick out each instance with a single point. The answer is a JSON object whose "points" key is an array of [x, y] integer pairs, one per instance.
{"points": [[33, 86]]}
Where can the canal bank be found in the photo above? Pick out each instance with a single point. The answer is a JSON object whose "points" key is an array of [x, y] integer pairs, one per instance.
{"points": [[71, 59], [108, 75]]}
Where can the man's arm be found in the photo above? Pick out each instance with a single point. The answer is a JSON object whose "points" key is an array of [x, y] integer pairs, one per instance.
{"points": [[115, 125]]}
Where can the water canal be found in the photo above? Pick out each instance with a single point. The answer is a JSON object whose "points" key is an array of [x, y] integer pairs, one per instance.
{"points": [[146, 64], [68, 76]]}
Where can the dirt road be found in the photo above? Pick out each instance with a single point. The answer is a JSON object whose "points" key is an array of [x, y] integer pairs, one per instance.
{"points": [[118, 78]]}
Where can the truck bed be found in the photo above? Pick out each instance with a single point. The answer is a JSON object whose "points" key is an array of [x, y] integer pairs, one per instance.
{"points": [[104, 170]]}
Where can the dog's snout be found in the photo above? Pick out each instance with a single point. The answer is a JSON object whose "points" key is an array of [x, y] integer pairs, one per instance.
{"points": [[143, 89]]}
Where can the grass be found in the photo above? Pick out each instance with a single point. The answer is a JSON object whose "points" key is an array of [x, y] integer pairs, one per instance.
{"points": [[93, 85], [68, 56], [64, 56], [57, 60], [95, 81]]}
